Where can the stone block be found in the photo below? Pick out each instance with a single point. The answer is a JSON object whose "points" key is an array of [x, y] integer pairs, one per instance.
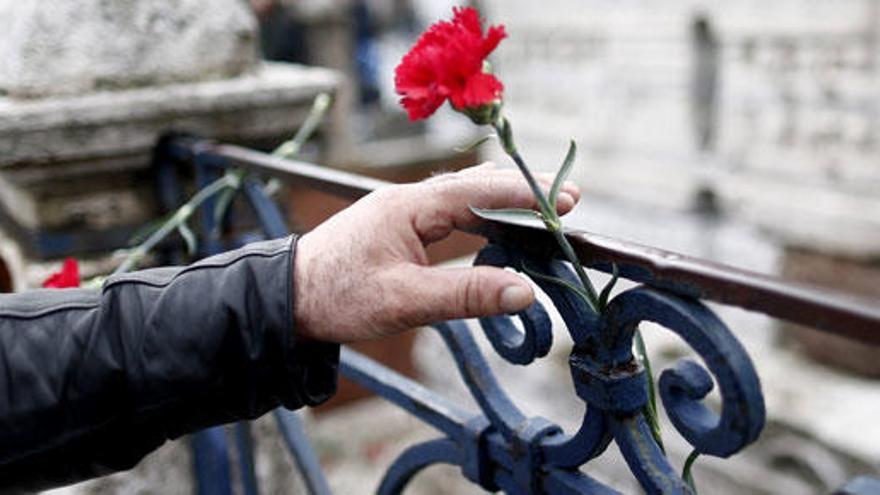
{"points": [[74, 161], [796, 125], [72, 47]]}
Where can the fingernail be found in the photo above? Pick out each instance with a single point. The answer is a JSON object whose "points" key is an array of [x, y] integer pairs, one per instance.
{"points": [[515, 298]]}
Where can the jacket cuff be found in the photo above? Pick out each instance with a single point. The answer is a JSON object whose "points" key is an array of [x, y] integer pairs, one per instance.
{"points": [[312, 366]]}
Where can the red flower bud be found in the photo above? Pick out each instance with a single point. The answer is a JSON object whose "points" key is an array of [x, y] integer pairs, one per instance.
{"points": [[447, 63], [67, 277]]}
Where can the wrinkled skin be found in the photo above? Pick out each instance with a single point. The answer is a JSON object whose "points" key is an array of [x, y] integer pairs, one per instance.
{"points": [[364, 272]]}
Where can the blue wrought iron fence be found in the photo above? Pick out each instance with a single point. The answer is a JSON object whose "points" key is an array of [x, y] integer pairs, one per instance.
{"points": [[499, 447]]}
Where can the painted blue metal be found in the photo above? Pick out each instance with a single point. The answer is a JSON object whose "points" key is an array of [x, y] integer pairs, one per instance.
{"points": [[484, 456], [210, 447], [270, 218], [211, 462], [863, 485], [300, 448], [245, 445], [416, 458], [521, 454], [501, 448], [214, 455]]}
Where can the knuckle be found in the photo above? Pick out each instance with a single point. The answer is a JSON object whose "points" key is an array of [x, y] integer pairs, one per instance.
{"points": [[393, 197], [470, 293], [385, 306]]}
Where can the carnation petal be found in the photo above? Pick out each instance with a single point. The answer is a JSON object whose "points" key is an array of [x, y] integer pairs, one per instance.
{"points": [[493, 37], [421, 108], [468, 19], [481, 89], [447, 62]]}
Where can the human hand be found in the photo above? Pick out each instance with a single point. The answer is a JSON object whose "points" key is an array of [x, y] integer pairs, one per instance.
{"points": [[364, 272]]}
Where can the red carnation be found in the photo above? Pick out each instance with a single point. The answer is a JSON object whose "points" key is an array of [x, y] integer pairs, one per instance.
{"points": [[67, 277], [447, 63]]}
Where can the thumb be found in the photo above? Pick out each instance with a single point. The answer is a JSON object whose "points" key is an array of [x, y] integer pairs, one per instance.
{"points": [[448, 293]]}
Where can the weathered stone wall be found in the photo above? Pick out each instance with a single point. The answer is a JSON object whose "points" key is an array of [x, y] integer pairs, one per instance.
{"points": [[794, 107], [49, 48], [86, 89]]}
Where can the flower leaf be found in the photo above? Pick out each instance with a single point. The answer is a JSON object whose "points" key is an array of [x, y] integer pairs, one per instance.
{"points": [[221, 206], [606, 291], [563, 173], [506, 214], [142, 233], [687, 474], [292, 147], [556, 280], [188, 237], [94, 283], [272, 187], [649, 409], [474, 145]]}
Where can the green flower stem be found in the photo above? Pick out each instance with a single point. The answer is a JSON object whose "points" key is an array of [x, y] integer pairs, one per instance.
{"points": [[554, 225], [502, 126], [650, 409], [687, 472], [551, 218], [570, 255], [179, 218], [292, 147], [231, 180]]}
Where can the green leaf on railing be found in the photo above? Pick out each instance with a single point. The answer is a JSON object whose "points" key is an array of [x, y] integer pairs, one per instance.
{"points": [[272, 187], [221, 205], [606, 291], [556, 280], [320, 106], [687, 472], [474, 145], [650, 409], [506, 214], [563, 173], [141, 234], [188, 237], [94, 283]]}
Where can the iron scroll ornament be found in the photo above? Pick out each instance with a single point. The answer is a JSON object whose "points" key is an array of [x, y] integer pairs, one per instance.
{"points": [[502, 449]]}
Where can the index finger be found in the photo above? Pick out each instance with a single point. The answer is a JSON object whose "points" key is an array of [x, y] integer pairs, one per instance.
{"points": [[445, 204]]}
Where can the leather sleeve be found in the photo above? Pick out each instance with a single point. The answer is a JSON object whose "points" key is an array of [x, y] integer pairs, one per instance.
{"points": [[93, 381]]}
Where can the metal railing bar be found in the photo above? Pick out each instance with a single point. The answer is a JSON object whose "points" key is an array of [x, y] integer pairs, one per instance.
{"points": [[824, 309], [336, 182], [294, 436], [405, 393]]}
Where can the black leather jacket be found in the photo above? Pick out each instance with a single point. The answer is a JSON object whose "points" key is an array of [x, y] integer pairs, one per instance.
{"points": [[90, 382]]}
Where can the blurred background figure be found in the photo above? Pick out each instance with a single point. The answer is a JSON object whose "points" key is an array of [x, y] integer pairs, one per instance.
{"points": [[282, 36], [706, 64]]}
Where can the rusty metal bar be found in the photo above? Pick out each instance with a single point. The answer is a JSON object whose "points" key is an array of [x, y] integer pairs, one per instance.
{"points": [[336, 182], [824, 309]]}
